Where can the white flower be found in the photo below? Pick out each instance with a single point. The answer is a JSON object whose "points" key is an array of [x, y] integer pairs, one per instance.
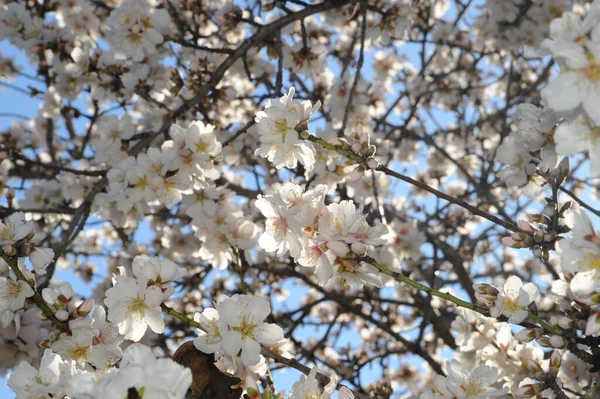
{"points": [[77, 345], [135, 28], [211, 340], [314, 255], [281, 232], [278, 137], [245, 317], [13, 294], [439, 390], [578, 82], [14, 228], [134, 307], [308, 388], [475, 385], [340, 221], [581, 255], [582, 134], [28, 382], [158, 272], [106, 350], [514, 299], [140, 375]]}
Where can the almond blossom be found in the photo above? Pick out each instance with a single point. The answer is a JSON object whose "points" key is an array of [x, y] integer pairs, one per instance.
{"points": [[513, 300], [237, 327], [278, 135], [133, 307]]}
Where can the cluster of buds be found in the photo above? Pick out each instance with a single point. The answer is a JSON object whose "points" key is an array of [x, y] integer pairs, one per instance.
{"points": [[485, 294], [361, 146], [18, 239], [554, 341], [541, 230], [541, 380], [63, 302]]}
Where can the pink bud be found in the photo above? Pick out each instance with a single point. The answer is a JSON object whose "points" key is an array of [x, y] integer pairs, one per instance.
{"points": [[372, 163]]}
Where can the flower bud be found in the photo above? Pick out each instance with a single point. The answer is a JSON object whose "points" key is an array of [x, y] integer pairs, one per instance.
{"points": [[557, 342], [29, 277], [528, 390], [357, 174], [535, 369], [305, 134], [528, 334], [62, 315], [372, 163], [550, 209], [85, 308], [555, 362], [537, 251], [544, 341], [538, 236], [550, 236], [566, 322], [359, 248], [9, 250], [526, 227]]}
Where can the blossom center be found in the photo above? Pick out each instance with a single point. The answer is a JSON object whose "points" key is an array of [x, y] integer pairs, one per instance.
{"points": [[511, 305], [246, 328], [473, 388], [12, 290], [592, 70], [137, 305], [590, 262], [213, 335]]}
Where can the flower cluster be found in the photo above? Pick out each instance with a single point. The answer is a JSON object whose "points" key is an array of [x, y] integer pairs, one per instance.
{"points": [[236, 327], [134, 301], [161, 175], [575, 45], [462, 383], [277, 126], [327, 238], [17, 237]]}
